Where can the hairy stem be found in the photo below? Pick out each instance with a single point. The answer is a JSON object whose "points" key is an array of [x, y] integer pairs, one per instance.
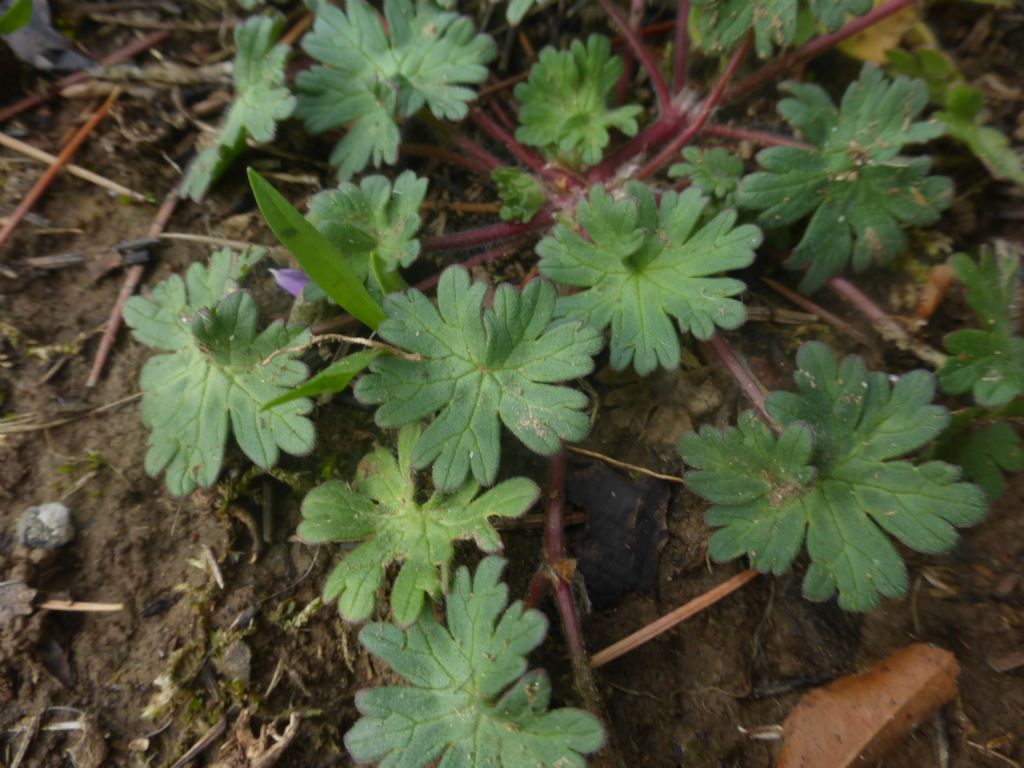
{"points": [[816, 46], [527, 157], [762, 138], [751, 387], [473, 158], [490, 234], [703, 113], [641, 53], [681, 47]]}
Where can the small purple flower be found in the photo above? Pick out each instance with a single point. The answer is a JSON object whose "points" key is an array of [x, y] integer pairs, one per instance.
{"points": [[291, 280]]}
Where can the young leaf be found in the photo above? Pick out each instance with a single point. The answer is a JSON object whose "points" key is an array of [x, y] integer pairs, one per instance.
{"points": [[333, 378], [988, 361], [721, 24], [832, 477], [260, 102], [381, 510], [964, 120], [714, 171], [564, 104], [318, 257], [470, 702], [521, 194], [646, 264], [963, 110], [860, 191], [985, 452], [214, 371], [479, 367], [374, 223], [517, 10], [374, 75]]}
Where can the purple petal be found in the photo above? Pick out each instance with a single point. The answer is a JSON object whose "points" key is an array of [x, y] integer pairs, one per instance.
{"points": [[291, 280]]}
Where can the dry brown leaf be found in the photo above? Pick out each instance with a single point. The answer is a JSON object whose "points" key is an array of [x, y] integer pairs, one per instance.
{"points": [[857, 719], [940, 278], [15, 600]]}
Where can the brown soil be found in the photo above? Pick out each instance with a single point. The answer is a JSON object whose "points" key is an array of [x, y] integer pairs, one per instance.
{"points": [[689, 698]]}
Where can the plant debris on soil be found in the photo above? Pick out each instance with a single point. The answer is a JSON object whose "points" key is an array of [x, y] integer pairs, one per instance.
{"points": [[223, 650]]}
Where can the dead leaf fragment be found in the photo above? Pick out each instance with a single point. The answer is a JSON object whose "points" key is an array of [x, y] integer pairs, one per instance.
{"points": [[859, 718], [263, 751], [15, 600]]}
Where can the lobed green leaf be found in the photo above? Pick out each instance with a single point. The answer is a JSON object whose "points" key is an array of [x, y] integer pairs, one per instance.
{"points": [[373, 73], [989, 362], [478, 366], [858, 190], [644, 264], [832, 479], [381, 510], [470, 702], [565, 103]]}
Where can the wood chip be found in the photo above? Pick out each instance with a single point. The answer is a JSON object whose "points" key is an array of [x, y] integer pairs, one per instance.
{"points": [[858, 719]]}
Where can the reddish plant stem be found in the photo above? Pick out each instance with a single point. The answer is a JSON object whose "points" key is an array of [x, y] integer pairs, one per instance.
{"points": [[527, 157], [681, 47], [59, 162], [636, 15], [816, 46], [655, 134], [762, 138], [487, 235], [642, 55], [539, 585], [806, 304], [131, 282], [751, 387], [859, 300], [482, 163], [502, 115], [554, 554], [130, 51], [703, 113]]}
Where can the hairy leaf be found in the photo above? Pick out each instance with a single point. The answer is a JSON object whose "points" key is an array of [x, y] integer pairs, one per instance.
{"points": [[476, 368], [374, 223], [715, 171], [215, 372], [832, 478], [260, 102], [565, 108], [381, 510], [721, 24], [856, 187], [470, 701], [376, 72], [645, 264], [521, 194], [988, 361]]}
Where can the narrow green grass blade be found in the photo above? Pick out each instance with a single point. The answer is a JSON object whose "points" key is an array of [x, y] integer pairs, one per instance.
{"points": [[16, 17], [333, 378], [321, 260]]}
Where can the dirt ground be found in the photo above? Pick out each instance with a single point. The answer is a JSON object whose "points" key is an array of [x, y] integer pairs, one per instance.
{"points": [[185, 654]]}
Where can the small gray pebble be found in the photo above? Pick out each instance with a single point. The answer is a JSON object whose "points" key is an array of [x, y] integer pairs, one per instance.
{"points": [[47, 526]]}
